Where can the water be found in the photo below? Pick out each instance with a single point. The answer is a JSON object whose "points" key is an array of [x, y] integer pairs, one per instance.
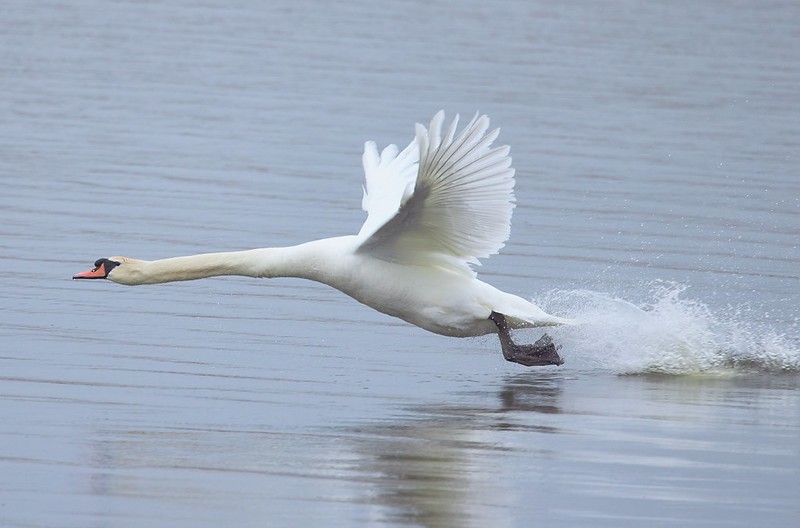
{"points": [[658, 201]]}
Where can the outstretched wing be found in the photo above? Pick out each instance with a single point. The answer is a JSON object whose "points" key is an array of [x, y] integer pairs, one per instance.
{"points": [[445, 200]]}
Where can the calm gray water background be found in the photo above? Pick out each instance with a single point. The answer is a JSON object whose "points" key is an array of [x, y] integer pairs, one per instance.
{"points": [[656, 149]]}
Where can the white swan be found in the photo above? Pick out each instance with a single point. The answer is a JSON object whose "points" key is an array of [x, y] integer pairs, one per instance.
{"points": [[432, 210]]}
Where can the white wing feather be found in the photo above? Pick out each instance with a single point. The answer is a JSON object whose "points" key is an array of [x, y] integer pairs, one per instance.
{"points": [[389, 184], [441, 200]]}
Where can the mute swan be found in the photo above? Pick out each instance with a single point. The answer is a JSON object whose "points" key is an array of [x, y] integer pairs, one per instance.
{"points": [[432, 210]]}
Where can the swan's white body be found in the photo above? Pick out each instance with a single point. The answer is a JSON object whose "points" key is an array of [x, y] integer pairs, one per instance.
{"points": [[433, 209]]}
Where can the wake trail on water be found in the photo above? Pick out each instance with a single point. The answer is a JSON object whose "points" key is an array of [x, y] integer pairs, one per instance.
{"points": [[667, 334]]}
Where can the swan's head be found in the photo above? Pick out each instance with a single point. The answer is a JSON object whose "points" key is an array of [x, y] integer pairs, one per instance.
{"points": [[106, 268]]}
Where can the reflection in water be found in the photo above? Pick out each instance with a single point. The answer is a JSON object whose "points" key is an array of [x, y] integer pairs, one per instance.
{"points": [[539, 446], [529, 392], [437, 467]]}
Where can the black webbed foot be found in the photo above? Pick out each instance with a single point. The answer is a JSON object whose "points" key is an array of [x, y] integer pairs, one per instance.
{"points": [[542, 352]]}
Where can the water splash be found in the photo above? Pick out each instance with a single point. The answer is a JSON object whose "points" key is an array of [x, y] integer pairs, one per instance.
{"points": [[668, 334]]}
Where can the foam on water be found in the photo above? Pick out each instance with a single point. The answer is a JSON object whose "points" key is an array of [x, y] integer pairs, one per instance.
{"points": [[668, 334]]}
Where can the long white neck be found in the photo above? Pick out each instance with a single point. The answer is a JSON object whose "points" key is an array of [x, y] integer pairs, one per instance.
{"points": [[312, 260]]}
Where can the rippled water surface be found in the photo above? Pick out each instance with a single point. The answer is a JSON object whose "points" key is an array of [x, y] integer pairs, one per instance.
{"points": [[656, 149]]}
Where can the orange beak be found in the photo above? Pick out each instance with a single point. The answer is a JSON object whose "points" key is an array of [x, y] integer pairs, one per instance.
{"points": [[95, 273]]}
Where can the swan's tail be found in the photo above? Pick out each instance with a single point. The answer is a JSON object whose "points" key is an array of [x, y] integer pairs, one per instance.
{"points": [[524, 314]]}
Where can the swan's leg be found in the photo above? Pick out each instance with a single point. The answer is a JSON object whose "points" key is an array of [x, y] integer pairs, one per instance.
{"points": [[542, 352]]}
